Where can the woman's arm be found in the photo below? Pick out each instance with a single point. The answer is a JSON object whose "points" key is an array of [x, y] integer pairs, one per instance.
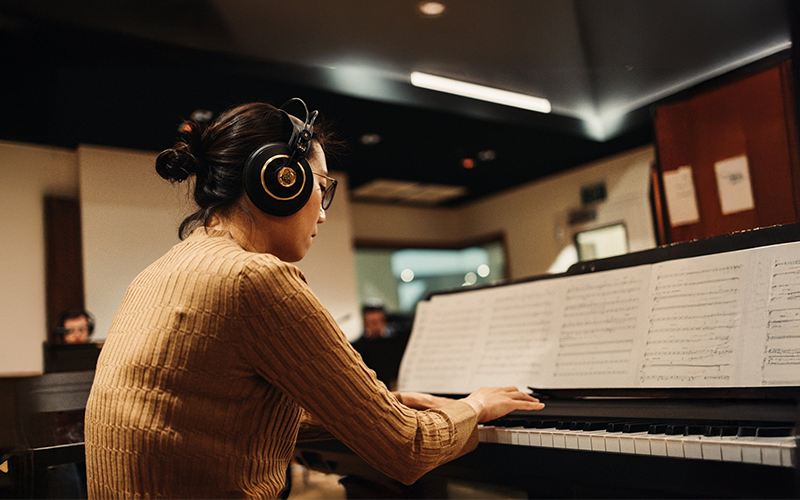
{"points": [[296, 345]]}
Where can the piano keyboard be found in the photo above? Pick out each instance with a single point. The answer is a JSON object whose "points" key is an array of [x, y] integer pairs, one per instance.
{"points": [[773, 446]]}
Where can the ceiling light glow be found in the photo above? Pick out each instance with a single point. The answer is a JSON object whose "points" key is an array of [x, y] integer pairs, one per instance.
{"points": [[473, 91], [431, 9]]}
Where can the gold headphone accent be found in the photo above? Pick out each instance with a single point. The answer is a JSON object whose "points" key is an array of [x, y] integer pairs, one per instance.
{"points": [[284, 179]]}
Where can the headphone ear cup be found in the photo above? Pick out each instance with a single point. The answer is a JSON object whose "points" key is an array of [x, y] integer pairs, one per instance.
{"points": [[275, 187], [90, 322]]}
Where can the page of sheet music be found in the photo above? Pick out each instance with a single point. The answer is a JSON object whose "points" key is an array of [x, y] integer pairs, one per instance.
{"points": [[729, 319], [775, 323], [517, 346], [695, 317], [598, 333]]}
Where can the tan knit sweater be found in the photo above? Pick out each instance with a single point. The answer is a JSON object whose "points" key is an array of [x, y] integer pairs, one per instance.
{"points": [[217, 361]]}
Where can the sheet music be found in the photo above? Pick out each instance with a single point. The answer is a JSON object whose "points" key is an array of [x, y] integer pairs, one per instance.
{"points": [[440, 351], [695, 318], [598, 335], [517, 347], [781, 359], [729, 319]]}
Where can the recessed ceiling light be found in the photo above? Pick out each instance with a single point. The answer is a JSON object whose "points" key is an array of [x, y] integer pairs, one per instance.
{"points": [[370, 139], [487, 155], [464, 89], [431, 9]]}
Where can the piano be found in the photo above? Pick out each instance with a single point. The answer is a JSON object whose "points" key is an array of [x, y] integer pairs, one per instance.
{"points": [[716, 421], [41, 435]]}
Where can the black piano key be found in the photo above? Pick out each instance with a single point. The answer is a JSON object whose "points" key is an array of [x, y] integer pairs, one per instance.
{"points": [[746, 431], [541, 424], [657, 429], [636, 427], [695, 430], [595, 426], [721, 430], [774, 432], [675, 429], [616, 426], [563, 424], [577, 426]]}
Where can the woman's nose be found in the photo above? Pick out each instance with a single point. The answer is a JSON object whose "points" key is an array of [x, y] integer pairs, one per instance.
{"points": [[322, 216]]}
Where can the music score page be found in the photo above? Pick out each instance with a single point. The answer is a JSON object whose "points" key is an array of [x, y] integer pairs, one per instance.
{"points": [[729, 319]]}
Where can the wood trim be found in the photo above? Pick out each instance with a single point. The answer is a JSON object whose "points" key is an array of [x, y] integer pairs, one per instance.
{"points": [[64, 286]]}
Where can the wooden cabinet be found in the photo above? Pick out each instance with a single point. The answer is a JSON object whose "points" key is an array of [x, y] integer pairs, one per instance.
{"points": [[751, 120]]}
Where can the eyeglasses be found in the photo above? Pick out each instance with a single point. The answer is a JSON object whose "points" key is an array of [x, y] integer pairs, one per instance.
{"points": [[329, 191]]}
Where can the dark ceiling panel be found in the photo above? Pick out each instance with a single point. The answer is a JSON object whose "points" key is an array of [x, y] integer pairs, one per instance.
{"points": [[125, 72]]}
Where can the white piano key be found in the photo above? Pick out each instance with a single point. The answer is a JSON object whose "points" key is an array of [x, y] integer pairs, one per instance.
{"points": [[658, 445], [546, 437], [503, 435], [751, 452], [692, 448], [535, 437], [731, 449], [787, 453], [514, 436], [571, 439], [599, 441], [642, 444], [558, 439], [674, 446], [711, 448], [771, 454], [485, 433], [592, 440], [612, 442], [627, 442], [523, 436]]}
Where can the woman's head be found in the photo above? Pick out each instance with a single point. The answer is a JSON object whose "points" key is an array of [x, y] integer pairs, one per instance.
{"points": [[216, 154]]}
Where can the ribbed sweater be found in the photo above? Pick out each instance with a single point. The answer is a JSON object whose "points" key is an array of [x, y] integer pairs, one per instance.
{"points": [[218, 361]]}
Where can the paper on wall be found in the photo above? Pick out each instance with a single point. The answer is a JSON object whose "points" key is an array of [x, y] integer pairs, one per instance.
{"points": [[681, 199], [733, 185]]}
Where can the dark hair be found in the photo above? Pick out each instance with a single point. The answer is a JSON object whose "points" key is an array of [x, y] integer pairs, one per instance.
{"points": [[372, 308], [215, 153], [74, 313]]}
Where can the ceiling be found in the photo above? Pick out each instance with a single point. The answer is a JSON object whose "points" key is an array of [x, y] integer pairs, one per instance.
{"points": [[125, 72]]}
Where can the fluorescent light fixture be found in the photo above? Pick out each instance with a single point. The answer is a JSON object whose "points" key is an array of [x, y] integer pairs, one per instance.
{"points": [[431, 82]]}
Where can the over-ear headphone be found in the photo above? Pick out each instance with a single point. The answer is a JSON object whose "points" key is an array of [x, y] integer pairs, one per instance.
{"points": [[277, 176]]}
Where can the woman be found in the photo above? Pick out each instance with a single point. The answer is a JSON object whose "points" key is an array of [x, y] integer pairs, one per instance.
{"points": [[221, 358]]}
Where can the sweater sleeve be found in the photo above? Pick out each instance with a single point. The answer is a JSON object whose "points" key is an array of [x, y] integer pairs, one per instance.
{"points": [[294, 343]]}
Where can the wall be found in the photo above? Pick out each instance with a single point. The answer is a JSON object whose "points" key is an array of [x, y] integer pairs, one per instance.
{"points": [[27, 174], [533, 217]]}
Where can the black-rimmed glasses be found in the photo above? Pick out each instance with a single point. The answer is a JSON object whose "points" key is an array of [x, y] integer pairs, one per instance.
{"points": [[329, 191]]}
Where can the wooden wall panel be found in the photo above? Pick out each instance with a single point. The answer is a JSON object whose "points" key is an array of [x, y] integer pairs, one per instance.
{"points": [[64, 274], [753, 117]]}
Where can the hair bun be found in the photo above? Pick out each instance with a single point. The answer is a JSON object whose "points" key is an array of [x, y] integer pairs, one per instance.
{"points": [[176, 164], [179, 162]]}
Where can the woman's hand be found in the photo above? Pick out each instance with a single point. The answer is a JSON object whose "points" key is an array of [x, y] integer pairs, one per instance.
{"points": [[422, 401], [494, 402]]}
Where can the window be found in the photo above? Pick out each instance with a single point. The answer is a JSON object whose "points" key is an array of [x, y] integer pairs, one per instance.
{"points": [[399, 278], [602, 242]]}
